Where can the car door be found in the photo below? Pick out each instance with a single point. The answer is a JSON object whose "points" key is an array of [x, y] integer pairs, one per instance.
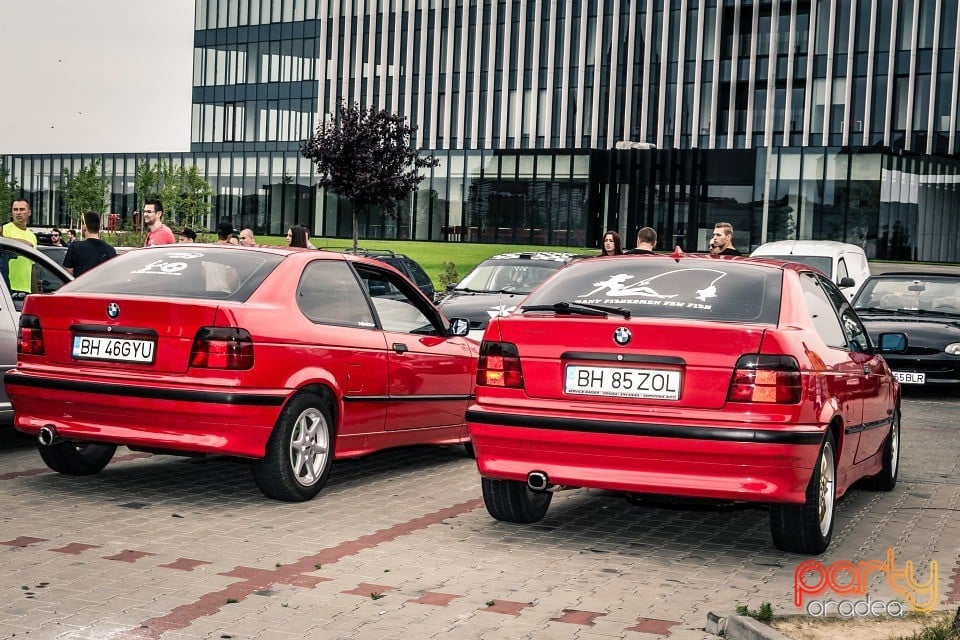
{"points": [[345, 341], [432, 375], [43, 276], [843, 368], [876, 387]]}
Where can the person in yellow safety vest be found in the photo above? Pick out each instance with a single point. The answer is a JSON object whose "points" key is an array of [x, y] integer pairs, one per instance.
{"points": [[20, 270]]}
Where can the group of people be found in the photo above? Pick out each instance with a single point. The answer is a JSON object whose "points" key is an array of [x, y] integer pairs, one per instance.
{"points": [[82, 255], [721, 243], [159, 233]]}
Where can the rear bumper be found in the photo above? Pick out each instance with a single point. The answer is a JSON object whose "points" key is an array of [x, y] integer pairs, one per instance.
{"points": [[220, 420], [723, 461]]}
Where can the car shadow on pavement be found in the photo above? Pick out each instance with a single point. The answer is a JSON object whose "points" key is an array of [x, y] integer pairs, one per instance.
{"points": [[204, 481]]}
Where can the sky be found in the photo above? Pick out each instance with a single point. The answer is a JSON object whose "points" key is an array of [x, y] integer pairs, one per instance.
{"points": [[95, 76]]}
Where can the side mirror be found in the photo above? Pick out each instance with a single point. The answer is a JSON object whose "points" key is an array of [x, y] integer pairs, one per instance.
{"points": [[846, 282], [459, 327], [893, 342], [452, 285]]}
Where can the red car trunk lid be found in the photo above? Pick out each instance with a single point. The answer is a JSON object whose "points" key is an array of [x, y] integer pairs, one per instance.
{"points": [[117, 333], [681, 364]]}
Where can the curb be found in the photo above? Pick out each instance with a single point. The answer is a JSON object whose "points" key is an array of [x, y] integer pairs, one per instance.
{"points": [[737, 627]]}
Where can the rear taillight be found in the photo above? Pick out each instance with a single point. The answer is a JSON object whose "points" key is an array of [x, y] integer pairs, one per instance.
{"points": [[30, 336], [764, 378], [499, 365], [222, 348]]}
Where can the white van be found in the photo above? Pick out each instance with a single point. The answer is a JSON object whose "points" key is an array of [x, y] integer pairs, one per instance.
{"points": [[846, 264]]}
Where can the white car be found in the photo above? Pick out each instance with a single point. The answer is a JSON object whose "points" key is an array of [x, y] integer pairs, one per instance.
{"points": [[846, 264]]}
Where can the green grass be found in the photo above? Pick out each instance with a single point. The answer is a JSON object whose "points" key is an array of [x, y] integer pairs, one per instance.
{"points": [[433, 255]]}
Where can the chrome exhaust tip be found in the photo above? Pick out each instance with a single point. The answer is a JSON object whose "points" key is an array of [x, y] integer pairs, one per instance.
{"points": [[47, 436], [538, 481]]}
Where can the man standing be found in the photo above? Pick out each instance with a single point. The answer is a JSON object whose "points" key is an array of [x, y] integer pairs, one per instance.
{"points": [[722, 241], [247, 239], [56, 239], [85, 254], [153, 220], [20, 270], [187, 236], [224, 231], [646, 242]]}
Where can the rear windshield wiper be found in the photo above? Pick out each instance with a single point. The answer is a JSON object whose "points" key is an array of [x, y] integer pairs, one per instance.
{"points": [[579, 308]]}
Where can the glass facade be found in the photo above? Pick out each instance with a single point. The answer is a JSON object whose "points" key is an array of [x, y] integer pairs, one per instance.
{"points": [[796, 118]]}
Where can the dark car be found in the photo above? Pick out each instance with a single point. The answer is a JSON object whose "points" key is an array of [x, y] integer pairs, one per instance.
{"points": [[495, 287], [925, 307], [402, 263], [46, 276]]}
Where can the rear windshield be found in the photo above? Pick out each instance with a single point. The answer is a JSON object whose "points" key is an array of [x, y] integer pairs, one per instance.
{"points": [[701, 289], [201, 271]]}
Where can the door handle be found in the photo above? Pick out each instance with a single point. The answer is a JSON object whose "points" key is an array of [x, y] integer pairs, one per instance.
{"points": [[399, 347]]}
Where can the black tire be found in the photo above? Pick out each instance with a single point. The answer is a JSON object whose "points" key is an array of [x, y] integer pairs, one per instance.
{"points": [[512, 501], [886, 480], [77, 458], [808, 528], [299, 453]]}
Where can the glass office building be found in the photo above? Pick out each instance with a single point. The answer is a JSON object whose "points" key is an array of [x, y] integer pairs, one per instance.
{"points": [[553, 121]]}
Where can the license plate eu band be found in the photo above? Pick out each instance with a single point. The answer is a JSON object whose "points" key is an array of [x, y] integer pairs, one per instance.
{"points": [[623, 382]]}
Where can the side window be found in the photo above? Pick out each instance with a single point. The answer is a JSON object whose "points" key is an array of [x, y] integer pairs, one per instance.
{"points": [[853, 330], [419, 275], [328, 293], [397, 307], [822, 312], [23, 276], [842, 269]]}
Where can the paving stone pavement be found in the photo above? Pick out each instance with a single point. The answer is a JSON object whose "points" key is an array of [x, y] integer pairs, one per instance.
{"points": [[399, 545]]}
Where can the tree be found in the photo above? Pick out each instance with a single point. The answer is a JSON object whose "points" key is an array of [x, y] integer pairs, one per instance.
{"points": [[365, 156], [185, 194], [9, 189], [84, 191], [195, 197]]}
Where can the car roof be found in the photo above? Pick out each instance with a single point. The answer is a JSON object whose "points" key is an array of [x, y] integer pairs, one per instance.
{"points": [[806, 248], [555, 256]]}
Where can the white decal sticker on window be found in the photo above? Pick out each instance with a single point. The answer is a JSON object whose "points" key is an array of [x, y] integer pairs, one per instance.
{"points": [[622, 285], [161, 267]]}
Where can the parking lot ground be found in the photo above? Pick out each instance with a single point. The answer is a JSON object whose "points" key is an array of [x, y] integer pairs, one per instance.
{"points": [[399, 545]]}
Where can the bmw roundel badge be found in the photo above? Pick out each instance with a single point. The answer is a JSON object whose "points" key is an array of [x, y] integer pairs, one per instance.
{"points": [[113, 310], [622, 336]]}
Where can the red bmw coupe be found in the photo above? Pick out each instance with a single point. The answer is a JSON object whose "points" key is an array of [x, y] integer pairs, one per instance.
{"points": [[721, 378], [289, 357]]}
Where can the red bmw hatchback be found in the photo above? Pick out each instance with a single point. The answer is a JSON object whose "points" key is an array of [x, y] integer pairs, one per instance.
{"points": [[729, 379], [291, 358]]}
